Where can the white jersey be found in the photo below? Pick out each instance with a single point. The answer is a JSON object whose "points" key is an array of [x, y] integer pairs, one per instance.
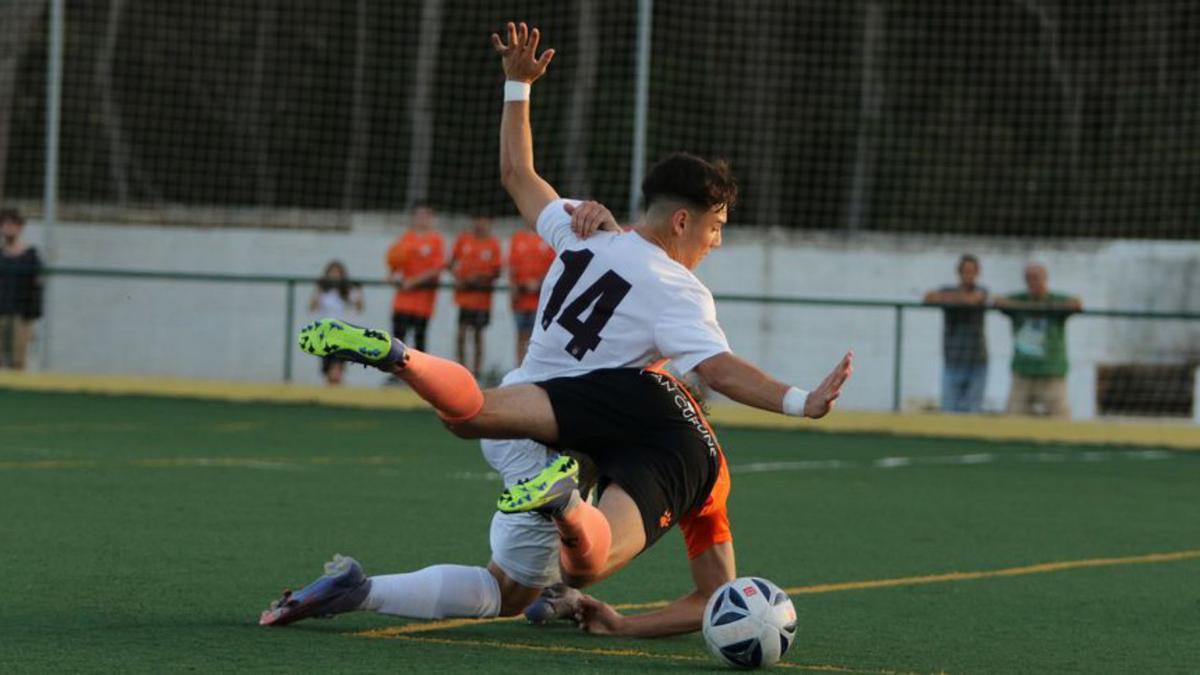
{"points": [[615, 300]]}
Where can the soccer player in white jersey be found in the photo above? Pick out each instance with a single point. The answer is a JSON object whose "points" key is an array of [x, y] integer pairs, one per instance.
{"points": [[612, 305]]}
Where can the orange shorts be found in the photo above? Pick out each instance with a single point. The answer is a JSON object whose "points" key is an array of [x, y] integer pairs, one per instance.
{"points": [[709, 526]]}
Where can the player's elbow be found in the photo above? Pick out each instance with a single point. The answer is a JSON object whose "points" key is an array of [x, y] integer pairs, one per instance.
{"points": [[716, 375], [513, 176], [507, 175]]}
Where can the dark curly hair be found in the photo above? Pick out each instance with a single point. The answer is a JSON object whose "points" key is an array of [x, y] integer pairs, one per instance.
{"points": [[692, 180]]}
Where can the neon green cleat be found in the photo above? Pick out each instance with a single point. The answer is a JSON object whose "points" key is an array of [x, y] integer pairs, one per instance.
{"points": [[342, 340], [546, 493]]}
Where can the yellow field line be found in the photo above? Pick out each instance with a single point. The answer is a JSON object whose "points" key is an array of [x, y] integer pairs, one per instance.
{"points": [[629, 653], [48, 464], [203, 462], [1040, 568]]}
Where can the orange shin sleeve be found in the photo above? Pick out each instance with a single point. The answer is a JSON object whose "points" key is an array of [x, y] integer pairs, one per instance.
{"points": [[586, 539], [444, 384]]}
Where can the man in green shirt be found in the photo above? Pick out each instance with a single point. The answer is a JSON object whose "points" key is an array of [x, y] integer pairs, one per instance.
{"points": [[1039, 363]]}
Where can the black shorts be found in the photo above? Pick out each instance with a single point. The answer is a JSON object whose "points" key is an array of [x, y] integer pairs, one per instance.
{"points": [[644, 434], [328, 362], [402, 323], [476, 318]]}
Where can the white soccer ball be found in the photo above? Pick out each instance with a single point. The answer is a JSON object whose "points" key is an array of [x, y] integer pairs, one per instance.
{"points": [[749, 623]]}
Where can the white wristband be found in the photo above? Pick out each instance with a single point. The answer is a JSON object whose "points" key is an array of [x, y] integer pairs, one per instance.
{"points": [[516, 91], [793, 402]]}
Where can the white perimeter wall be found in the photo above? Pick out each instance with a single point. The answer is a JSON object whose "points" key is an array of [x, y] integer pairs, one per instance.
{"points": [[236, 331]]}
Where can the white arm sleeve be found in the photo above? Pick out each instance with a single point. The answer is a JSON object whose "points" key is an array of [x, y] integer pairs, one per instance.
{"points": [[687, 331], [554, 225]]}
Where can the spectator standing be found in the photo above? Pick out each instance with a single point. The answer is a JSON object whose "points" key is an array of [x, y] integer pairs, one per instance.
{"points": [[20, 290], [529, 259], [475, 263], [1039, 364], [416, 260], [964, 347], [335, 297]]}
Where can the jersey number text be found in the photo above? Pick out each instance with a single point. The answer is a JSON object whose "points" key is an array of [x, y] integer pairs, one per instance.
{"points": [[607, 292]]}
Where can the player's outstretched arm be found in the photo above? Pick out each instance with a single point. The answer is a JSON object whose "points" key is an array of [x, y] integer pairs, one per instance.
{"points": [[522, 67], [745, 383], [686, 615]]}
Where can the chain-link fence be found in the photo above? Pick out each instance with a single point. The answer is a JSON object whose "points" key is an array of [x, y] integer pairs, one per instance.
{"points": [[1014, 117]]}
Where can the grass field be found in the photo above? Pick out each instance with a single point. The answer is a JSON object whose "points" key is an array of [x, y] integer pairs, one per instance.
{"points": [[145, 534]]}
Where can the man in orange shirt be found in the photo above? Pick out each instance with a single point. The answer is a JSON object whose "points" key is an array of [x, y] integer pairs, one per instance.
{"points": [[529, 259], [476, 266], [416, 260]]}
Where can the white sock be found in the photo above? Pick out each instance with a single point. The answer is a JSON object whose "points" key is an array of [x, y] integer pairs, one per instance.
{"points": [[436, 593]]}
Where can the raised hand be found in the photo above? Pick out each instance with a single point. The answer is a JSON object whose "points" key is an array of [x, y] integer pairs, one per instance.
{"points": [[589, 217], [822, 399], [519, 55]]}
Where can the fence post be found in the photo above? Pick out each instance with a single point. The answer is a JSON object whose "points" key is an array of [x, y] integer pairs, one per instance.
{"points": [[54, 67], [289, 321], [896, 357], [641, 105]]}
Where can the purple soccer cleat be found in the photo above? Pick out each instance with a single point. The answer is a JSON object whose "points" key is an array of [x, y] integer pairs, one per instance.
{"points": [[341, 589], [559, 601]]}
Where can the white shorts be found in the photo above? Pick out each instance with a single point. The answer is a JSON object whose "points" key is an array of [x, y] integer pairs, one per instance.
{"points": [[524, 545]]}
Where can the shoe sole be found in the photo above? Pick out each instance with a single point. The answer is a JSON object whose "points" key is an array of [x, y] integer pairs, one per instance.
{"points": [[559, 480], [346, 341]]}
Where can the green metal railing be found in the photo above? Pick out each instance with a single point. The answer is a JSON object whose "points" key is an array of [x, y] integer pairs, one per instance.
{"points": [[898, 307]]}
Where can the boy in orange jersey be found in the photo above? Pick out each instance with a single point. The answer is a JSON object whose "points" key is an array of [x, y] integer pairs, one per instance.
{"points": [[529, 259], [415, 262], [476, 266]]}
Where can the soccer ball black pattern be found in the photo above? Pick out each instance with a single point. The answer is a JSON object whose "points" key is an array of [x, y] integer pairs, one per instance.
{"points": [[749, 623]]}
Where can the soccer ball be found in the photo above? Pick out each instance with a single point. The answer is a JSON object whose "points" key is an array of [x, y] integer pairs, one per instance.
{"points": [[749, 623]]}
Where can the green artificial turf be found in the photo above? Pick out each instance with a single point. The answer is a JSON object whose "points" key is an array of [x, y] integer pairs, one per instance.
{"points": [[142, 534]]}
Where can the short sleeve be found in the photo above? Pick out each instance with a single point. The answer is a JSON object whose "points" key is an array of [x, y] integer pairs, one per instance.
{"points": [[554, 225], [395, 255], [687, 331]]}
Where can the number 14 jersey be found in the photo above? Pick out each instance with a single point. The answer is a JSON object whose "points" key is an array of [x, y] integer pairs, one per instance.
{"points": [[615, 300]]}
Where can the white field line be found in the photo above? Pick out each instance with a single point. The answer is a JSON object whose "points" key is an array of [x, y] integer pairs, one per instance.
{"points": [[886, 463]]}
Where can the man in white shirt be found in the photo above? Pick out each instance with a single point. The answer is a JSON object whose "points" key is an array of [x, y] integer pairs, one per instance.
{"points": [[612, 305]]}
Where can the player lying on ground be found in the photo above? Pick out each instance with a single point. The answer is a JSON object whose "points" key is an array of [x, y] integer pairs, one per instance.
{"points": [[661, 462]]}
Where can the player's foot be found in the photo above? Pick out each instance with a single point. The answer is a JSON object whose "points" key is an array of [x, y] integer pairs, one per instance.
{"points": [[559, 601], [341, 589], [346, 341], [547, 493]]}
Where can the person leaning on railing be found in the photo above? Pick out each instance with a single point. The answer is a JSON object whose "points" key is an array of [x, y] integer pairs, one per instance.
{"points": [[20, 291], [964, 348], [1039, 364]]}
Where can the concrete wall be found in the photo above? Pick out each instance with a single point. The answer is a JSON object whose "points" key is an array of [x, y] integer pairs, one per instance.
{"points": [[237, 331]]}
